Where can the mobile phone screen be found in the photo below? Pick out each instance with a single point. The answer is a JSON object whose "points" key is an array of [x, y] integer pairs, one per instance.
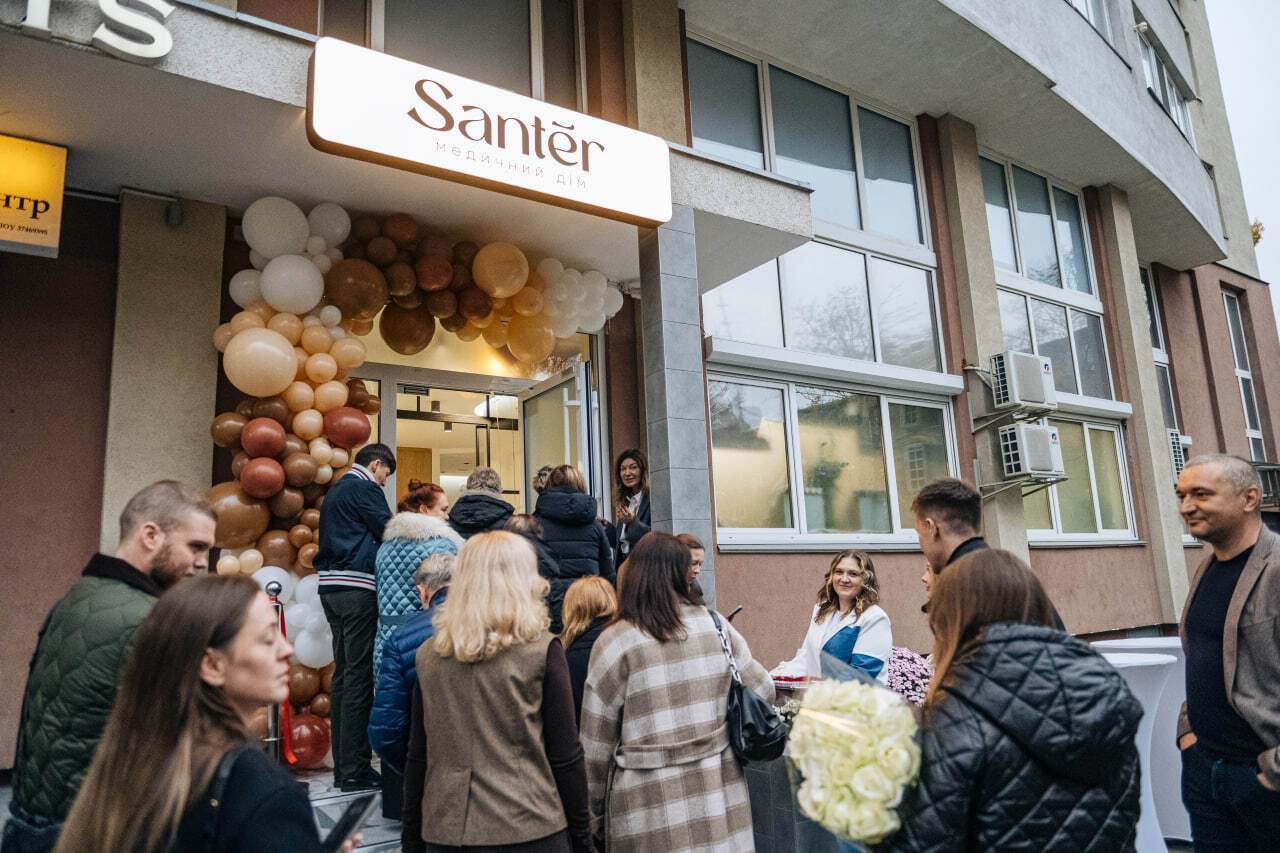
{"points": [[358, 811]]}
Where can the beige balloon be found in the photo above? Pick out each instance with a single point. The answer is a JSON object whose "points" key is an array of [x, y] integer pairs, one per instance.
{"points": [[496, 335], [308, 424], [316, 339], [348, 352], [250, 560], [500, 269], [222, 336], [321, 367], [289, 325], [469, 332], [529, 339], [340, 458], [261, 308], [228, 564], [245, 320], [330, 395], [528, 302], [321, 450], [299, 396], [260, 362]]}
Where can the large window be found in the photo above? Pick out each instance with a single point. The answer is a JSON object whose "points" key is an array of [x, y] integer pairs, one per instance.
{"points": [[1094, 11], [796, 459], [1093, 501], [1159, 354], [1071, 339], [860, 162], [1244, 377], [1164, 88]]}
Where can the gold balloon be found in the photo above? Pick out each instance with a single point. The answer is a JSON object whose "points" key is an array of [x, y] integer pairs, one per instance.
{"points": [[348, 352], [298, 396], [496, 335], [528, 302], [245, 320], [301, 355], [260, 362], [468, 332], [529, 339], [486, 321], [330, 395], [308, 424], [316, 339], [289, 325], [261, 308], [321, 367], [229, 564], [222, 336], [500, 269]]}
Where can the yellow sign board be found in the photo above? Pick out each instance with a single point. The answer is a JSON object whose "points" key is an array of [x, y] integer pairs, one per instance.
{"points": [[31, 180]]}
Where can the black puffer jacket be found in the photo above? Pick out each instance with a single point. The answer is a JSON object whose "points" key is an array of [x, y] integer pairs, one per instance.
{"points": [[576, 538], [479, 511], [1032, 748]]}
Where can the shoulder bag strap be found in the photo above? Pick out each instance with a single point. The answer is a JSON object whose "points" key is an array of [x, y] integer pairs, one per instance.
{"points": [[212, 805], [724, 644]]}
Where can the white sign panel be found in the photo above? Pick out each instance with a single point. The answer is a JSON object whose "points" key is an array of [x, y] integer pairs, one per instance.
{"points": [[371, 106]]}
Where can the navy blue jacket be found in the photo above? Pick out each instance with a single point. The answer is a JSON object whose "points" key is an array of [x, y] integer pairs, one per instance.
{"points": [[576, 538], [479, 512], [397, 679], [352, 520]]}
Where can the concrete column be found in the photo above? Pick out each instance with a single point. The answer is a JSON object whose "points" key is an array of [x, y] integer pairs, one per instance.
{"points": [[1152, 483], [981, 332], [675, 385], [164, 369], [655, 68]]}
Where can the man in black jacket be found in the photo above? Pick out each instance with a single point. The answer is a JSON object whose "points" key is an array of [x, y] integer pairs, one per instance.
{"points": [[948, 515], [354, 514]]}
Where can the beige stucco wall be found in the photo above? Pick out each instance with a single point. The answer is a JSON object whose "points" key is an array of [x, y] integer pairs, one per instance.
{"points": [[164, 368]]}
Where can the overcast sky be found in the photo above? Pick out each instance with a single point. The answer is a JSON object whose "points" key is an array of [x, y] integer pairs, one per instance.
{"points": [[1246, 35]]}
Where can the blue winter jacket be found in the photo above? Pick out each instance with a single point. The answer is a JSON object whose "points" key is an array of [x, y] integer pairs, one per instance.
{"points": [[398, 678], [410, 538]]}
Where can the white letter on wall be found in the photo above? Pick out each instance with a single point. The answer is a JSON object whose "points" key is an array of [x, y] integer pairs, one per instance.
{"points": [[141, 38], [36, 23]]}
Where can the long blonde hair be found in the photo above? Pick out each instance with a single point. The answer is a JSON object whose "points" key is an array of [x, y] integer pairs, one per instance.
{"points": [[495, 599], [828, 601], [980, 589], [586, 599], [168, 729]]}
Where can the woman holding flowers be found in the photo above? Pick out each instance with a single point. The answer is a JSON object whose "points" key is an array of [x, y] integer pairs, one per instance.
{"points": [[848, 622], [1028, 734]]}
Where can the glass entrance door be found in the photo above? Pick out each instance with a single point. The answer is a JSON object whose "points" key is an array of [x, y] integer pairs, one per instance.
{"points": [[555, 419]]}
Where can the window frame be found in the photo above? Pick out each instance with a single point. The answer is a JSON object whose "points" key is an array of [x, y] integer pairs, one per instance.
{"points": [[797, 537], [1071, 339], [1103, 27], [1244, 374], [1159, 353], [1164, 87], [377, 24], [1053, 537]]}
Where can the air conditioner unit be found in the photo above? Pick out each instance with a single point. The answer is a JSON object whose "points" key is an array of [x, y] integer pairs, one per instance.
{"points": [[1022, 380], [1177, 450], [1030, 449]]}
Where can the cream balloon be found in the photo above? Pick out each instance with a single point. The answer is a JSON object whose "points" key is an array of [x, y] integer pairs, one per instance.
{"points": [[289, 325], [308, 424], [321, 367], [292, 283], [550, 269], [243, 287], [242, 320], [321, 450], [323, 263], [260, 362], [316, 338], [222, 336], [334, 253], [299, 396], [274, 226], [330, 395], [349, 352], [330, 221], [250, 560], [500, 269], [228, 564], [340, 458], [311, 320], [316, 245], [324, 474]]}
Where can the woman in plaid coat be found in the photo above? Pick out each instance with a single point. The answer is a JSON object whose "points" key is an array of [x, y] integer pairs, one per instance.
{"points": [[660, 769]]}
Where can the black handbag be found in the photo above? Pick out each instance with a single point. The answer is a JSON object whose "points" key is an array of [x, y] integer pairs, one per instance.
{"points": [[756, 732]]}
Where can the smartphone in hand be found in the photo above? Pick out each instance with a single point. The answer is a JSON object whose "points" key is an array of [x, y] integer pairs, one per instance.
{"points": [[358, 811]]}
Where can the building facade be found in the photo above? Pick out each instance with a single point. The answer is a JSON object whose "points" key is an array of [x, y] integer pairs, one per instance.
{"points": [[869, 201]]}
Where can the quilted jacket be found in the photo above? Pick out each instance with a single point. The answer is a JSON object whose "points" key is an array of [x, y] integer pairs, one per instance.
{"points": [[479, 511], [410, 537], [576, 538], [79, 659], [398, 678], [1031, 748]]}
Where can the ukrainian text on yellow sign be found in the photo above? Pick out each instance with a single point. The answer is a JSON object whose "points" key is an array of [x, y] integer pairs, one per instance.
{"points": [[31, 181]]}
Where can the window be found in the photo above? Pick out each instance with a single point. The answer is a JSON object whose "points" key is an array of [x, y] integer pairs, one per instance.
{"points": [[860, 162], [1161, 83], [834, 301], [1070, 338], [1093, 501], [798, 459], [1164, 379], [526, 46], [1244, 377], [1094, 12]]}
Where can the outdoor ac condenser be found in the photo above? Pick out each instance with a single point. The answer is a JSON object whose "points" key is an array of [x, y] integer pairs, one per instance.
{"points": [[1177, 451], [1031, 449], [1022, 380]]}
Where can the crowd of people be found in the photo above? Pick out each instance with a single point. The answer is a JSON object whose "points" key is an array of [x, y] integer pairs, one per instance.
{"points": [[555, 682]]}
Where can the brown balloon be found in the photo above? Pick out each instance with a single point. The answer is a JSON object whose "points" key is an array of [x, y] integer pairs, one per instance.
{"points": [[354, 250], [258, 724], [362, 327], [345, 427], [405, 256], [320, 705], [410, 300], [300, 535], [357, 288], [313, 494], [241, 518], [304, 683], [461, 278], [433, 245], [326, 678], [357, 385], [381, 251], [434, 272], [453, 323], [310, 740], [372, 406], [299, 470], [273, 407], [307, 555], [474, 303], [276, 549], [357, 395], [292, 444], [238, 462], [262, 477], [407, 332], [365, 228], [442, 303], [288, 504], [226, 427], [245, 406], [465, 253], [262, 437], [311, 518], [401, 279], [402, 229]]}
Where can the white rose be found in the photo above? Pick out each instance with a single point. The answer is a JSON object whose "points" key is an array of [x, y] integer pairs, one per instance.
{"points": [[870, 783], [872, 823], [896, 758]]}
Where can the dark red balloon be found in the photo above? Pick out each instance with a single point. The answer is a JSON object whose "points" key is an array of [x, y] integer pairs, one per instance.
{"points": [[262, 437], [346, 427], [310, 740], [262, 477], [465, 253], [474, 303], [402, 229], [434, 272]]}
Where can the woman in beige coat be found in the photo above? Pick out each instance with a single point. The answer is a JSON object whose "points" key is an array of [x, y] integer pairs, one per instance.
{"points": [[661, 773]]}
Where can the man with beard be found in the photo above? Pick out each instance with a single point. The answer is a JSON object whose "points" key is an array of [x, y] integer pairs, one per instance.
{"points": [[166, 531]]}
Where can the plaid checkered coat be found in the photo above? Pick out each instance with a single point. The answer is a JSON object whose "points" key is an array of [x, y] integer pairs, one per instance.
{"points": [[661, 772]]}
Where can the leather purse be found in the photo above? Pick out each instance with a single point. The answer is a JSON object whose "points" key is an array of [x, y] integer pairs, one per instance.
{"points": [[756, 731]]}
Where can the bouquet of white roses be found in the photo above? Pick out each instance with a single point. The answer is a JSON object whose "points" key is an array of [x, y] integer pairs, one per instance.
{"points": [[854, 751]]}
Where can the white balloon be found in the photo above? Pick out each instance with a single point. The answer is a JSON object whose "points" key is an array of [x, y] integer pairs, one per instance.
{"points": [[321, 450], [244, 287], [274, 226], [316, 245], [311, 320], [593, 324], [613, 300], [329, 221], [334, 253], [267, 574], [565, 326], [292, 283], [322, 262], [257, 260], [593, 303], [595, 280], [295, 618], [571, 278], [550, 269], [313, 649], [552, 310], [308, 591], [330, 315], [324, 474], [337, 332], [316, 620]]}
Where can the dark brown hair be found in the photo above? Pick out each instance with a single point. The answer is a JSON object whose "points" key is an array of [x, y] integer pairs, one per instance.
{"points": [[420, 494], [690, 541], [828, 601], [955, 505], [620, 494], [526, 525], [653, 585], [566, 476]]}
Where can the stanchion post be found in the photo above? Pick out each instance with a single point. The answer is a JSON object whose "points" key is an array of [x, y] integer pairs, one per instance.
{"points": [[273, 712]]}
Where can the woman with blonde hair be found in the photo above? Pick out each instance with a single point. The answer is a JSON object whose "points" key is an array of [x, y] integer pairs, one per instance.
{"points": [[589, 606], [494, 761], [1028, 733], [848, 623], [177, 769]]}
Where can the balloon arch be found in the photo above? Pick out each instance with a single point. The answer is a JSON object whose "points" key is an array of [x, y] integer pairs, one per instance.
{"points": [[318, 282]]}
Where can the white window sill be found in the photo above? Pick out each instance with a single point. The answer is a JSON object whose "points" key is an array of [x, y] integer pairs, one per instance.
{"points": [[808, 365], [1048, 293], [875, 243], [1092, 407], [783, 541], [1084, 541]]}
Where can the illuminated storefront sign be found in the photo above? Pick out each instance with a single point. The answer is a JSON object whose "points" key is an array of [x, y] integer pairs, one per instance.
{"points": [[31, 178], [371, 106]]}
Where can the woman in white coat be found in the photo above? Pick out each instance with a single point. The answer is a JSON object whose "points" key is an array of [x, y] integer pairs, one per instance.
{"points": [[848, 623]]}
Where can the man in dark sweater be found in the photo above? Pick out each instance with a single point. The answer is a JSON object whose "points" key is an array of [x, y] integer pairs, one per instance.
{"points": [[352, 519], [948, 515], [1229, 729]]}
